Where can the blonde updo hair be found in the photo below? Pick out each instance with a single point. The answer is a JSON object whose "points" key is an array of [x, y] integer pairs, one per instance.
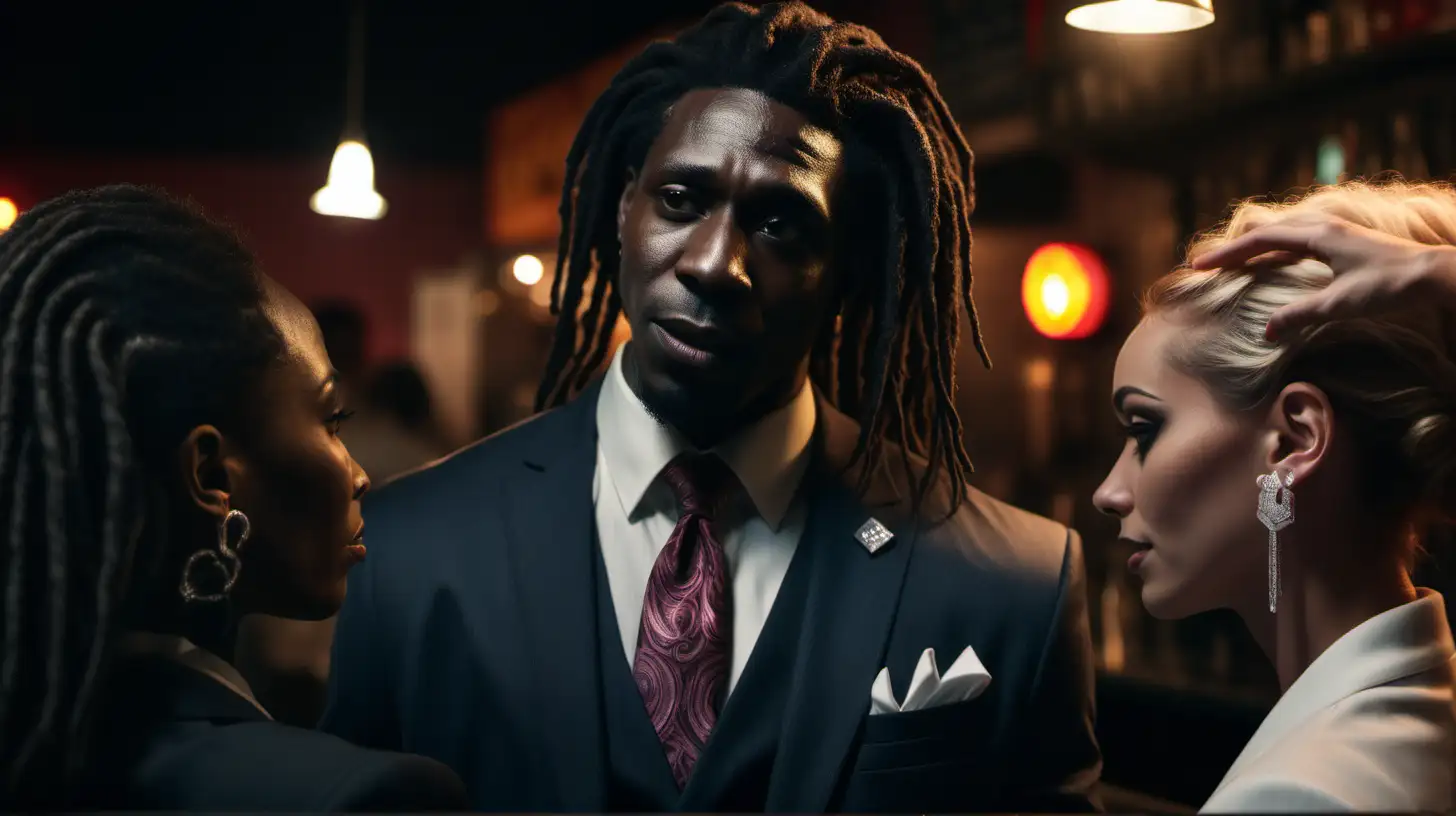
{"points": [[1390, 377]]}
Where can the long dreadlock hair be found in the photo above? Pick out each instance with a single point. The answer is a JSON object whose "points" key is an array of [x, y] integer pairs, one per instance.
{"points": [[126, 319], [890, 360]]}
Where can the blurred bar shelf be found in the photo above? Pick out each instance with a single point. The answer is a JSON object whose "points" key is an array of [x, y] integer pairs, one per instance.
{"points": [[1169, 129]]}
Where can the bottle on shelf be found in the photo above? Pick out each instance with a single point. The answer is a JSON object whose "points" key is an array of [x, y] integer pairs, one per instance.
{"points": [[1256, 173], [1352, 22], [1372, 162], [1330, 161], [1385, 16], [1407, 158], [1304, 167], [1113, 647], [1417, 16], [1318, 38], [1445, 16], [1440, 136]]}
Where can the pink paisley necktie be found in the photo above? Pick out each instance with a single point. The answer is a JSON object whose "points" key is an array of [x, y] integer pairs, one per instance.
{"points": [[683, 647]]}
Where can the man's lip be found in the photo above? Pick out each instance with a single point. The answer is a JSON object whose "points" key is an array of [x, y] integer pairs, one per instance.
{"points": [[1141, 545], [359, 536], [704, 336]]}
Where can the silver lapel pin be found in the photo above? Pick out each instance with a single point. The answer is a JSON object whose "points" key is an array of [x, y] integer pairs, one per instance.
{"points": [[874, 535]]}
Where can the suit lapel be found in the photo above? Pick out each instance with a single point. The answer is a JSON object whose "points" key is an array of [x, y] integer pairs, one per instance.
{"points": [[549, 509], [852, 600], [177, 692]]}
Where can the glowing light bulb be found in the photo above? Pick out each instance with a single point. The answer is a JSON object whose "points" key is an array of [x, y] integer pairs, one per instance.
{"points": [[1142, 16], [350, 190]]}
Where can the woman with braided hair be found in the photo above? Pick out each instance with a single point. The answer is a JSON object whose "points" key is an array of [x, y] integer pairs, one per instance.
{"points": [[169, 461]]}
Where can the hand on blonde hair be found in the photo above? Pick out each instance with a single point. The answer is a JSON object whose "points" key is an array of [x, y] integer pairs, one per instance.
{"points": [[1374, 272]]}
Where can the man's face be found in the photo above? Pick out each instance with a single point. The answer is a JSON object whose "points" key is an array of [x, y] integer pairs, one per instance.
{"points": [[726, 259]]}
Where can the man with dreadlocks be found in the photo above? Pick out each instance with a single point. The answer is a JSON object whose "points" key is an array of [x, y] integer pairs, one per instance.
{"points": [[729, 574]]}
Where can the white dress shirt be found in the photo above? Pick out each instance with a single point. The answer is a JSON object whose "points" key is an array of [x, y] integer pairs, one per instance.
{"points": [[1369, 726], [636, 511]]}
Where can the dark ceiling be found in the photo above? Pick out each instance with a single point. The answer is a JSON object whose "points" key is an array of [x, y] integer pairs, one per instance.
{"points": [[265, 78]]}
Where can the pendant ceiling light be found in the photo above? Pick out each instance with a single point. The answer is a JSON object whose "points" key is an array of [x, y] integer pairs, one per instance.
{"points": [[349, 192], [1142, 16]]}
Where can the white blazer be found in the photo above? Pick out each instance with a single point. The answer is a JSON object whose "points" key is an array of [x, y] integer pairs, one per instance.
{"points": [[1369, 726]]}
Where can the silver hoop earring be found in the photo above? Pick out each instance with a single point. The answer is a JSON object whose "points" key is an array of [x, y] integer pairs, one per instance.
{"points": [[225, 558], [1276, 512]]}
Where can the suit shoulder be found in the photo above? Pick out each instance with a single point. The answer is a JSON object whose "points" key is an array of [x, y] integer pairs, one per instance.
{"points": [[266, 766], [1273, 794], [390, 781], [353, 778], [988, 529], [983, 530], [1386, 748], [483, 457]]}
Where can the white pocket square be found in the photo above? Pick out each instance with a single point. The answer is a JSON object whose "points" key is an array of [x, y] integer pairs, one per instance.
{"points": [[966, 680]]}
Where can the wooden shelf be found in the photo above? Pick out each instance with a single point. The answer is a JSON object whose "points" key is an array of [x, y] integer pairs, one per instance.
{"points": [[1165, 135]]}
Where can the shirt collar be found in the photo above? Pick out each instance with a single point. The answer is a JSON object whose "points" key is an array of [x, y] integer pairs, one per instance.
{"points": [[181, 650], [1409, 639], [768, 457]]}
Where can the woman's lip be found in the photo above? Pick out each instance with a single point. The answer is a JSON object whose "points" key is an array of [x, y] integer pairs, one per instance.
{"points": [[359, 536], [1136, 561]]}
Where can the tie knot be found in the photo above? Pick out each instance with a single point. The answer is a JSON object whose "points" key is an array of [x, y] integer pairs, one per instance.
{"points": [[699, 482]]}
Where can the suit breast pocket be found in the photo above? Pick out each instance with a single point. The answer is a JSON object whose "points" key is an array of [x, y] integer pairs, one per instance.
{"points": [[953, 733], [936, 760]]}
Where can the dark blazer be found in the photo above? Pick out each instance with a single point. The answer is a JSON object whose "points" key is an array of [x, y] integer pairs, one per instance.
{"points": [[470, 635], [171, 738]]}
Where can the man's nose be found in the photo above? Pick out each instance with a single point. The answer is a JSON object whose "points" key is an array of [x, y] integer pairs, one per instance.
{"points": [[714, 257]]}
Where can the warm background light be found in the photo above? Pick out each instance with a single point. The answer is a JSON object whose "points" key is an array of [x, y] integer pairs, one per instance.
{"points": [[1142, 16], [1064, 291], [528, 269], [350, 189], [8, 213]]}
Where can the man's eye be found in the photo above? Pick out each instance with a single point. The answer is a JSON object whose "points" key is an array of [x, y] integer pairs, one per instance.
{"points": [[780, 229], [676, 199]]}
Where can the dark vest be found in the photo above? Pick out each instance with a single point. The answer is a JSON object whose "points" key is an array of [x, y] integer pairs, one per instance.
{"points": [[736, 765]]}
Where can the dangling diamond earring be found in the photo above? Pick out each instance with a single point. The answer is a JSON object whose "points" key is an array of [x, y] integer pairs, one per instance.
{"points": [[225, 558], [1276, 511]]}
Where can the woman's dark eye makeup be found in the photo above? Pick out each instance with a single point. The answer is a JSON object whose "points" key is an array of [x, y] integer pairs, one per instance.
{"points": [[1143, 430]]}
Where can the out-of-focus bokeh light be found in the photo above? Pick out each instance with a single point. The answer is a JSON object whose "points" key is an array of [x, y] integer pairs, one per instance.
{"points": [[528, 270], [1064, 291], [8, 213]]}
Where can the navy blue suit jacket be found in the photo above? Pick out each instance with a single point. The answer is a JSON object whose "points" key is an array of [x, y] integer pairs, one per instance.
{"points": [[470, 636]]}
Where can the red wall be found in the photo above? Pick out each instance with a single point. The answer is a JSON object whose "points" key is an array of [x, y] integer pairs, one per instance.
{"points": [[433, 221]]}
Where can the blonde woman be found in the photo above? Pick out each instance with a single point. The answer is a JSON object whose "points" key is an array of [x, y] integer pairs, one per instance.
{"points": [[1305, 352]]}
